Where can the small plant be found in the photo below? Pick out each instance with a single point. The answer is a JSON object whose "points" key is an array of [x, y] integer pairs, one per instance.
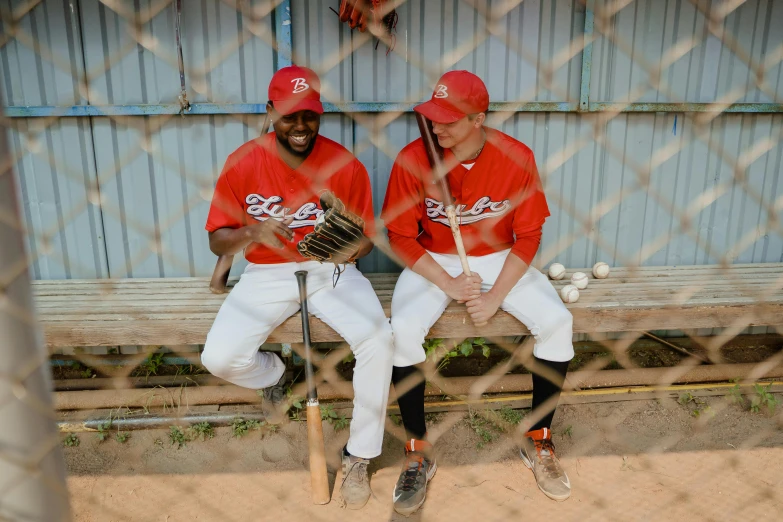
{"points": [[706, 412], [685, 398], [177, 436], [485, 428], [511, 416], [122, 437], [435, 349], [396, 419], [152, 364], [71, 440], [202, 430], [763, 398], [569, 431], [241, 427], [337, 420], [735, 393], [86, 373], [297, 405], [103, 430], [432, 418]]}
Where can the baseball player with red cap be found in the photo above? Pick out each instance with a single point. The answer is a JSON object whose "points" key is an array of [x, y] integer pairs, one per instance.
{"points": [[265, 201], [501, 208]]}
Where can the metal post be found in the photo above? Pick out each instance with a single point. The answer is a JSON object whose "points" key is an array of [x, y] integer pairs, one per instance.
{"points": [[285, 44], [32, 469], [587, 58]]}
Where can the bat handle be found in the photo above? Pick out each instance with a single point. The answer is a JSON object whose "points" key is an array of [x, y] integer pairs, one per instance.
{"points": [[312, 392], [451, 214]]}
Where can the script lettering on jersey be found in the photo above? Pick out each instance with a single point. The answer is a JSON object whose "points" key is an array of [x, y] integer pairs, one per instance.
{"points": [[483, 208], [262, 208]]}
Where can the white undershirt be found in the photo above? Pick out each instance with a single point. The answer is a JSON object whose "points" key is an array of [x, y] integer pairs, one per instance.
{"points": [[468, 166]]}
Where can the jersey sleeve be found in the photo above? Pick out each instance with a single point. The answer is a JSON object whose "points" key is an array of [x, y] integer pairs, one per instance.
{"points": [[531, 210], [360, 198], [403, 209], [226, 210]]}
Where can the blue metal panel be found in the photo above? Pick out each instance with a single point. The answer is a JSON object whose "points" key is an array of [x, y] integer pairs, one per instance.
{"points": [[57, 180], [646, 31]]}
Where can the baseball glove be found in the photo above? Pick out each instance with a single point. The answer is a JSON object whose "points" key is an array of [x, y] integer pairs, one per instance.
{"points": [[359, 14], [337, 236]]}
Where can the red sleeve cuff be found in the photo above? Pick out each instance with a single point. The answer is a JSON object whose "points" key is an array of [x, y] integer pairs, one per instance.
{"points": [[525, 248], [407, 248]]}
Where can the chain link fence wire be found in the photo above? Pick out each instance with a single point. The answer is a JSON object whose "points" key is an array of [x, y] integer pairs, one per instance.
{"points": [[656, 128]]}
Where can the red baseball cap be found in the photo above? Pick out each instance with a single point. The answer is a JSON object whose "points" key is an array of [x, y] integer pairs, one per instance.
{"points": [[294, 89], [457, 94]]}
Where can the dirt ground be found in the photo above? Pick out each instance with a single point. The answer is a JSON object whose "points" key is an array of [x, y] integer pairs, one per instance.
{"points": [[632, 460]]}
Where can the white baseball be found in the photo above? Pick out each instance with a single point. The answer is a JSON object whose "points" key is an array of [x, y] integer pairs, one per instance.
{"points": [[569, 294], [601, 270], [556, 271], [579, 280]]}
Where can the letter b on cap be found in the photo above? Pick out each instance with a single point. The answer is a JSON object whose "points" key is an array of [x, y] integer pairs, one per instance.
{"points": [[441, 91], [300, 85]]}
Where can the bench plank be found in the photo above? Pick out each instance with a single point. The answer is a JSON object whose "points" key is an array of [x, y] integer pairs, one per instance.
{"points": [[181, 310]]}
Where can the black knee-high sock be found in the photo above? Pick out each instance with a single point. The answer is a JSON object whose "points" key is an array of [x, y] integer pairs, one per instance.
{"points": [[411, 402], [544, 389]]}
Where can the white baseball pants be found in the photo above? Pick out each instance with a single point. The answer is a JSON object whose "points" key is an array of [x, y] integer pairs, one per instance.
{"points": [[417, 303], [266, 295]]}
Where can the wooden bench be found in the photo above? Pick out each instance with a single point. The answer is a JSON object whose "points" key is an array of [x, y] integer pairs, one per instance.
{"points": [[177, 311]]}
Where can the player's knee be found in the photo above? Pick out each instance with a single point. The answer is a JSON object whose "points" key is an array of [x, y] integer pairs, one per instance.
{"points": [[559, 321], [216, 361], [375, 342], [406, 334]]}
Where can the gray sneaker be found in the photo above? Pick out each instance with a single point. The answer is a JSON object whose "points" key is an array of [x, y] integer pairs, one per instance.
{"points": [[355, 488], [274, 403], [538, 454], [417, 471]]}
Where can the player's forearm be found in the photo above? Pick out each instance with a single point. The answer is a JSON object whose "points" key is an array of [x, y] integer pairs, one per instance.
{"points": [[428, 268], [513, 270], [229, 241]]}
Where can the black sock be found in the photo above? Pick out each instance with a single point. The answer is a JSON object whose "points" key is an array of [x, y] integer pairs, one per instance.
{"points": [[411, 402], [544, 389]]}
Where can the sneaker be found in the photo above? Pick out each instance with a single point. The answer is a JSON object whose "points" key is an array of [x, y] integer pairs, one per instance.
{"points": [[355, 488], [274, 403], [418, 470], [538, 454]]}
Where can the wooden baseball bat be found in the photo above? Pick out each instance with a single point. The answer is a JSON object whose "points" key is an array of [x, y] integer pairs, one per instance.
{"points": [[223, 266], [435, 155], [319, 482]]}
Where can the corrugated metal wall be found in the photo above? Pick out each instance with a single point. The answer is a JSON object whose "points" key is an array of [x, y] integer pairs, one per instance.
{"points": [[101, 199]]}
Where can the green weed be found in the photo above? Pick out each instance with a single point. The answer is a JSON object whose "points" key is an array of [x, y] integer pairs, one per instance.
{"points": [[103, 430], [763, 398], [241, 427], [337, 420], [177, 436], [202, 430], [71, 440]]}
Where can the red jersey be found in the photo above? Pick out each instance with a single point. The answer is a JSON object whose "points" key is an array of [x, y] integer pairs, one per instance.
{"points": [[499, 201], [256, 184]]}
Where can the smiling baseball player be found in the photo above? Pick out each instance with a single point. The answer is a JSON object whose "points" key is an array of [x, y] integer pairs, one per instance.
{"points": [[501, 208], [267, 200]]}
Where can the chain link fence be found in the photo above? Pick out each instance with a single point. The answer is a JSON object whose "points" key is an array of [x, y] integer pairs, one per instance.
{"points": [[656, 128]]}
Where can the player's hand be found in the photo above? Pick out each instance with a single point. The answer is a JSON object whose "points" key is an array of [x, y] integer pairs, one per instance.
{"points": [[270, 231], [463, 288], [483, 308]]}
